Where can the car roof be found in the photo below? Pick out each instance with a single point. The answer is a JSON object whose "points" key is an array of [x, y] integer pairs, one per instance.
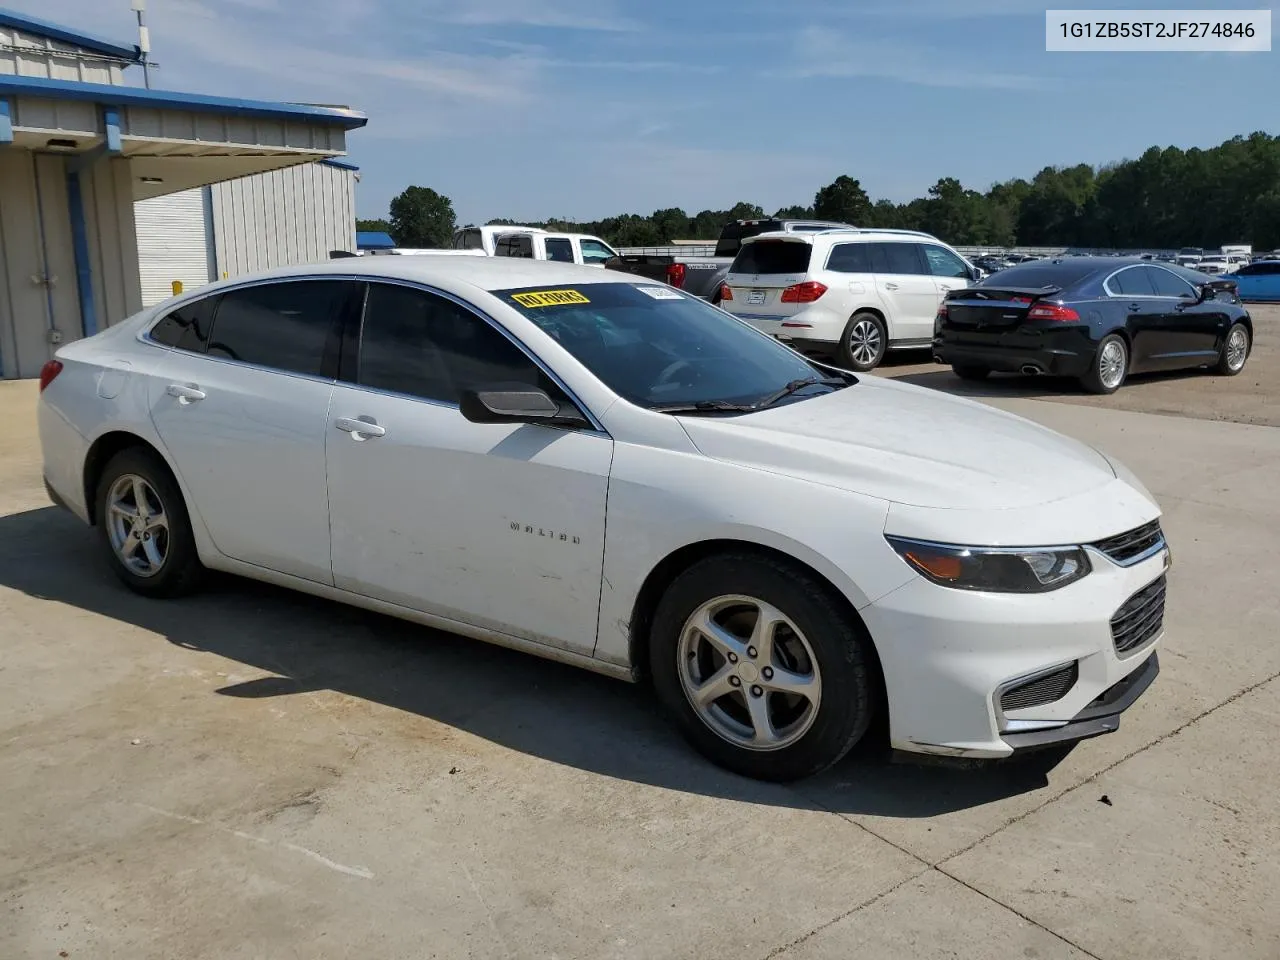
{"points": [[482, 273], [843, 234]]}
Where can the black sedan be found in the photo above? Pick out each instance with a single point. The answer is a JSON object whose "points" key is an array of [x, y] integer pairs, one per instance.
{"points": [[1093, 318]]}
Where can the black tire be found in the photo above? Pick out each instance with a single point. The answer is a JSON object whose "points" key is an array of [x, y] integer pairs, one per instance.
{"points": [[967, 371], [1094, 381], [1223, 367], [839, 641], [181, 570], [856, 328]]}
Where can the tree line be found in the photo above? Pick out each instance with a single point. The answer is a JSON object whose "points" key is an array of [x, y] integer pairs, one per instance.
{"points": [[1167, 198]]}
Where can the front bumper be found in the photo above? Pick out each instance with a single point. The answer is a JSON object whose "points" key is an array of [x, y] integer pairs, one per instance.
{"points": [[949, 655]]}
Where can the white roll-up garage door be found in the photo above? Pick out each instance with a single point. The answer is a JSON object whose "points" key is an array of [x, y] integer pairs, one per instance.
{"points": [[175, 242]]}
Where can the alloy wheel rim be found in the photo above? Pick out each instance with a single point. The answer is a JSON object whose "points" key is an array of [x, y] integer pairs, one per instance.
{"points": [[864, 342], [1111, 364], [749, 673], [137, 525], [1237, 348]]}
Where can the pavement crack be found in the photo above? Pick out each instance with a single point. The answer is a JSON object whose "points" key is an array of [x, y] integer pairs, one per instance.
{"points": [[778, 951], [1018, 913], [1093, 778]]}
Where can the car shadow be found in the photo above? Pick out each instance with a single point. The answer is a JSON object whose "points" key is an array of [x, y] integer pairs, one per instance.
{"points": [[544, 709], [1008, 385]]}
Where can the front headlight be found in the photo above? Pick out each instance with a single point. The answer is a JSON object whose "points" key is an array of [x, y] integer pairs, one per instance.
{"points": [[994, 569]]}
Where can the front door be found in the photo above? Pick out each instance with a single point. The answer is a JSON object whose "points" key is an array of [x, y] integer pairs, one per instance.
{"points": [[907, 290], [244, 416], [1188, 333], [499, 526]]}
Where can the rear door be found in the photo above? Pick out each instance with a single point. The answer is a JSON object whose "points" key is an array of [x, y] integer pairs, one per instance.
{"points": [[558, 249], [243, 414], [760, 273], [1134, 301], [907, 289]]}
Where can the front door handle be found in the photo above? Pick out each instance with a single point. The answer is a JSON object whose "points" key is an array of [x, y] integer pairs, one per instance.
{"points": [[186, 394], [360, 428], [1135, 307]]}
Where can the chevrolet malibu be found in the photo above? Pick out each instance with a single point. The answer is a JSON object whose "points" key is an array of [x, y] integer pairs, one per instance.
{"points": [[599, 469]]}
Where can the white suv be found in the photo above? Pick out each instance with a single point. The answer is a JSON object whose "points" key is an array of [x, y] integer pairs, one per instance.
{"points": [[848, 294]]}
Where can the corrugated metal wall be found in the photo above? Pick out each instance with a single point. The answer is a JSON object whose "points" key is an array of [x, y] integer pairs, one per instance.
{"points": [[290, 216], [36, 295], [175, 242], [31, 56], [113, 244]]}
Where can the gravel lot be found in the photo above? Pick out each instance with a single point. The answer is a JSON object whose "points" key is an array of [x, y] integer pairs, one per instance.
{"points": [[253, 773]]}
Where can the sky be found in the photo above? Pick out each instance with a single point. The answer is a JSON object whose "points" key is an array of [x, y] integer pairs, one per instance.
{"points": [[581, 109]]}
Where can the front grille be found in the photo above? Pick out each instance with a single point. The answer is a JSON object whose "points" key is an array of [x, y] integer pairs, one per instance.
{"points": [[1140, 619], [1127, 547], [1038, 691]]}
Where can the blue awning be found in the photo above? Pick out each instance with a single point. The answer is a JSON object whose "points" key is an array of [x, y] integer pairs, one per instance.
{"points": [[374, 240]]}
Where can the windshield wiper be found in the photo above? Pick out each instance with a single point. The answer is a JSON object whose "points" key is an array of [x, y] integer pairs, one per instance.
{"points": [[795, 386], [707, 406]]}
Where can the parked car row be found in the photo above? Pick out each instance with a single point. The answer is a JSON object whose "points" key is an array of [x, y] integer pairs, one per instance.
{"points": [[606, 471]]}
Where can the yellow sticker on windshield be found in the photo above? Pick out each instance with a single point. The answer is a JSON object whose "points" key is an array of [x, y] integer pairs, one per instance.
{"points": [[549, 298]]}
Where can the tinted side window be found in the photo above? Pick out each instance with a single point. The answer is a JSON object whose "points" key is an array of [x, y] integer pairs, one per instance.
{"points": [[944, 263], [187, 328], [471, 240], [1168, 285], [560, 250], [285, 326], [515, 245], [850, 258], [1133, 282], [897, 258], [424, 345]]}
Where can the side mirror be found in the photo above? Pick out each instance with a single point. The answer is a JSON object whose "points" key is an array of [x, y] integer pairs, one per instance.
{"points": [[516, 404], [975, 273]]}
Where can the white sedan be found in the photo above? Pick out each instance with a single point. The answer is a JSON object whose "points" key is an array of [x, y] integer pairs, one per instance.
{"points": [[602, 470]]}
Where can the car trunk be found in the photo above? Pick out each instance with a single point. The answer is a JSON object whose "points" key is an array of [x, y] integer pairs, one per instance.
{"points": [[762, 271], [979, 313]]}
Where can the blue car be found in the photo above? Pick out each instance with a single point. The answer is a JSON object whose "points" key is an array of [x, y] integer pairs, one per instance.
{"points": [[1259, 281]]}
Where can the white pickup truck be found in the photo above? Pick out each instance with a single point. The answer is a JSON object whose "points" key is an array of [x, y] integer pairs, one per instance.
{"points": [[534, 243]]}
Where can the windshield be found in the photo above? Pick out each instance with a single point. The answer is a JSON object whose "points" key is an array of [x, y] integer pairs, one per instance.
{"points": [[659, 348]]}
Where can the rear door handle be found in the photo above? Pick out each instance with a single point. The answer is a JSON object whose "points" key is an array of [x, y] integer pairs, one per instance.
{"points": [[1135, 307], [186, 395], [891, 286], [360, 428]]}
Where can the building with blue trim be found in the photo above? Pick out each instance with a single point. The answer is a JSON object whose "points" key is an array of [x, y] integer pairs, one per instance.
{"points": [[100, 183]]}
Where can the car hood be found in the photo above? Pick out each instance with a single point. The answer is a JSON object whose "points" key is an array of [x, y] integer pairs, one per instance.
{"points": [[908, 445]]}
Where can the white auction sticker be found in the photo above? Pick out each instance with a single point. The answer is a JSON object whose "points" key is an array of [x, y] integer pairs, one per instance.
{"points": [[661, 293], [1157, 31]]}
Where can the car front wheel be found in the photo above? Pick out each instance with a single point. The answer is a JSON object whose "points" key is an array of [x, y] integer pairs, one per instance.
{"points": [[763, 670], [1235, 351], [144, 526]]}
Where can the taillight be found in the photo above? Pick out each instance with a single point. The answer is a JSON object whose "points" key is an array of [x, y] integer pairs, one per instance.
{"points": [[942, 311], [675, 274], [48, 372], [725, 292], [806, 292], [1052, 311]]}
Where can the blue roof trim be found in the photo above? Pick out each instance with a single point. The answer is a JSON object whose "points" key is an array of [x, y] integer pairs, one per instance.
{"points": [[374, 240], [6, 123], [112, 95], [340, 164], [43, 28]]}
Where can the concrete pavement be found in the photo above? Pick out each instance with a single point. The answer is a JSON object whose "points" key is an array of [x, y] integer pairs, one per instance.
{"points": [[253, 773]]}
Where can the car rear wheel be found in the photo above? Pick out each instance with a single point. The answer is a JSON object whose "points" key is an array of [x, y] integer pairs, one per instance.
{"points": [[1235, 351], [1110, 366], [762, 670], [864, 342], [967, 371], [144, 525]]}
